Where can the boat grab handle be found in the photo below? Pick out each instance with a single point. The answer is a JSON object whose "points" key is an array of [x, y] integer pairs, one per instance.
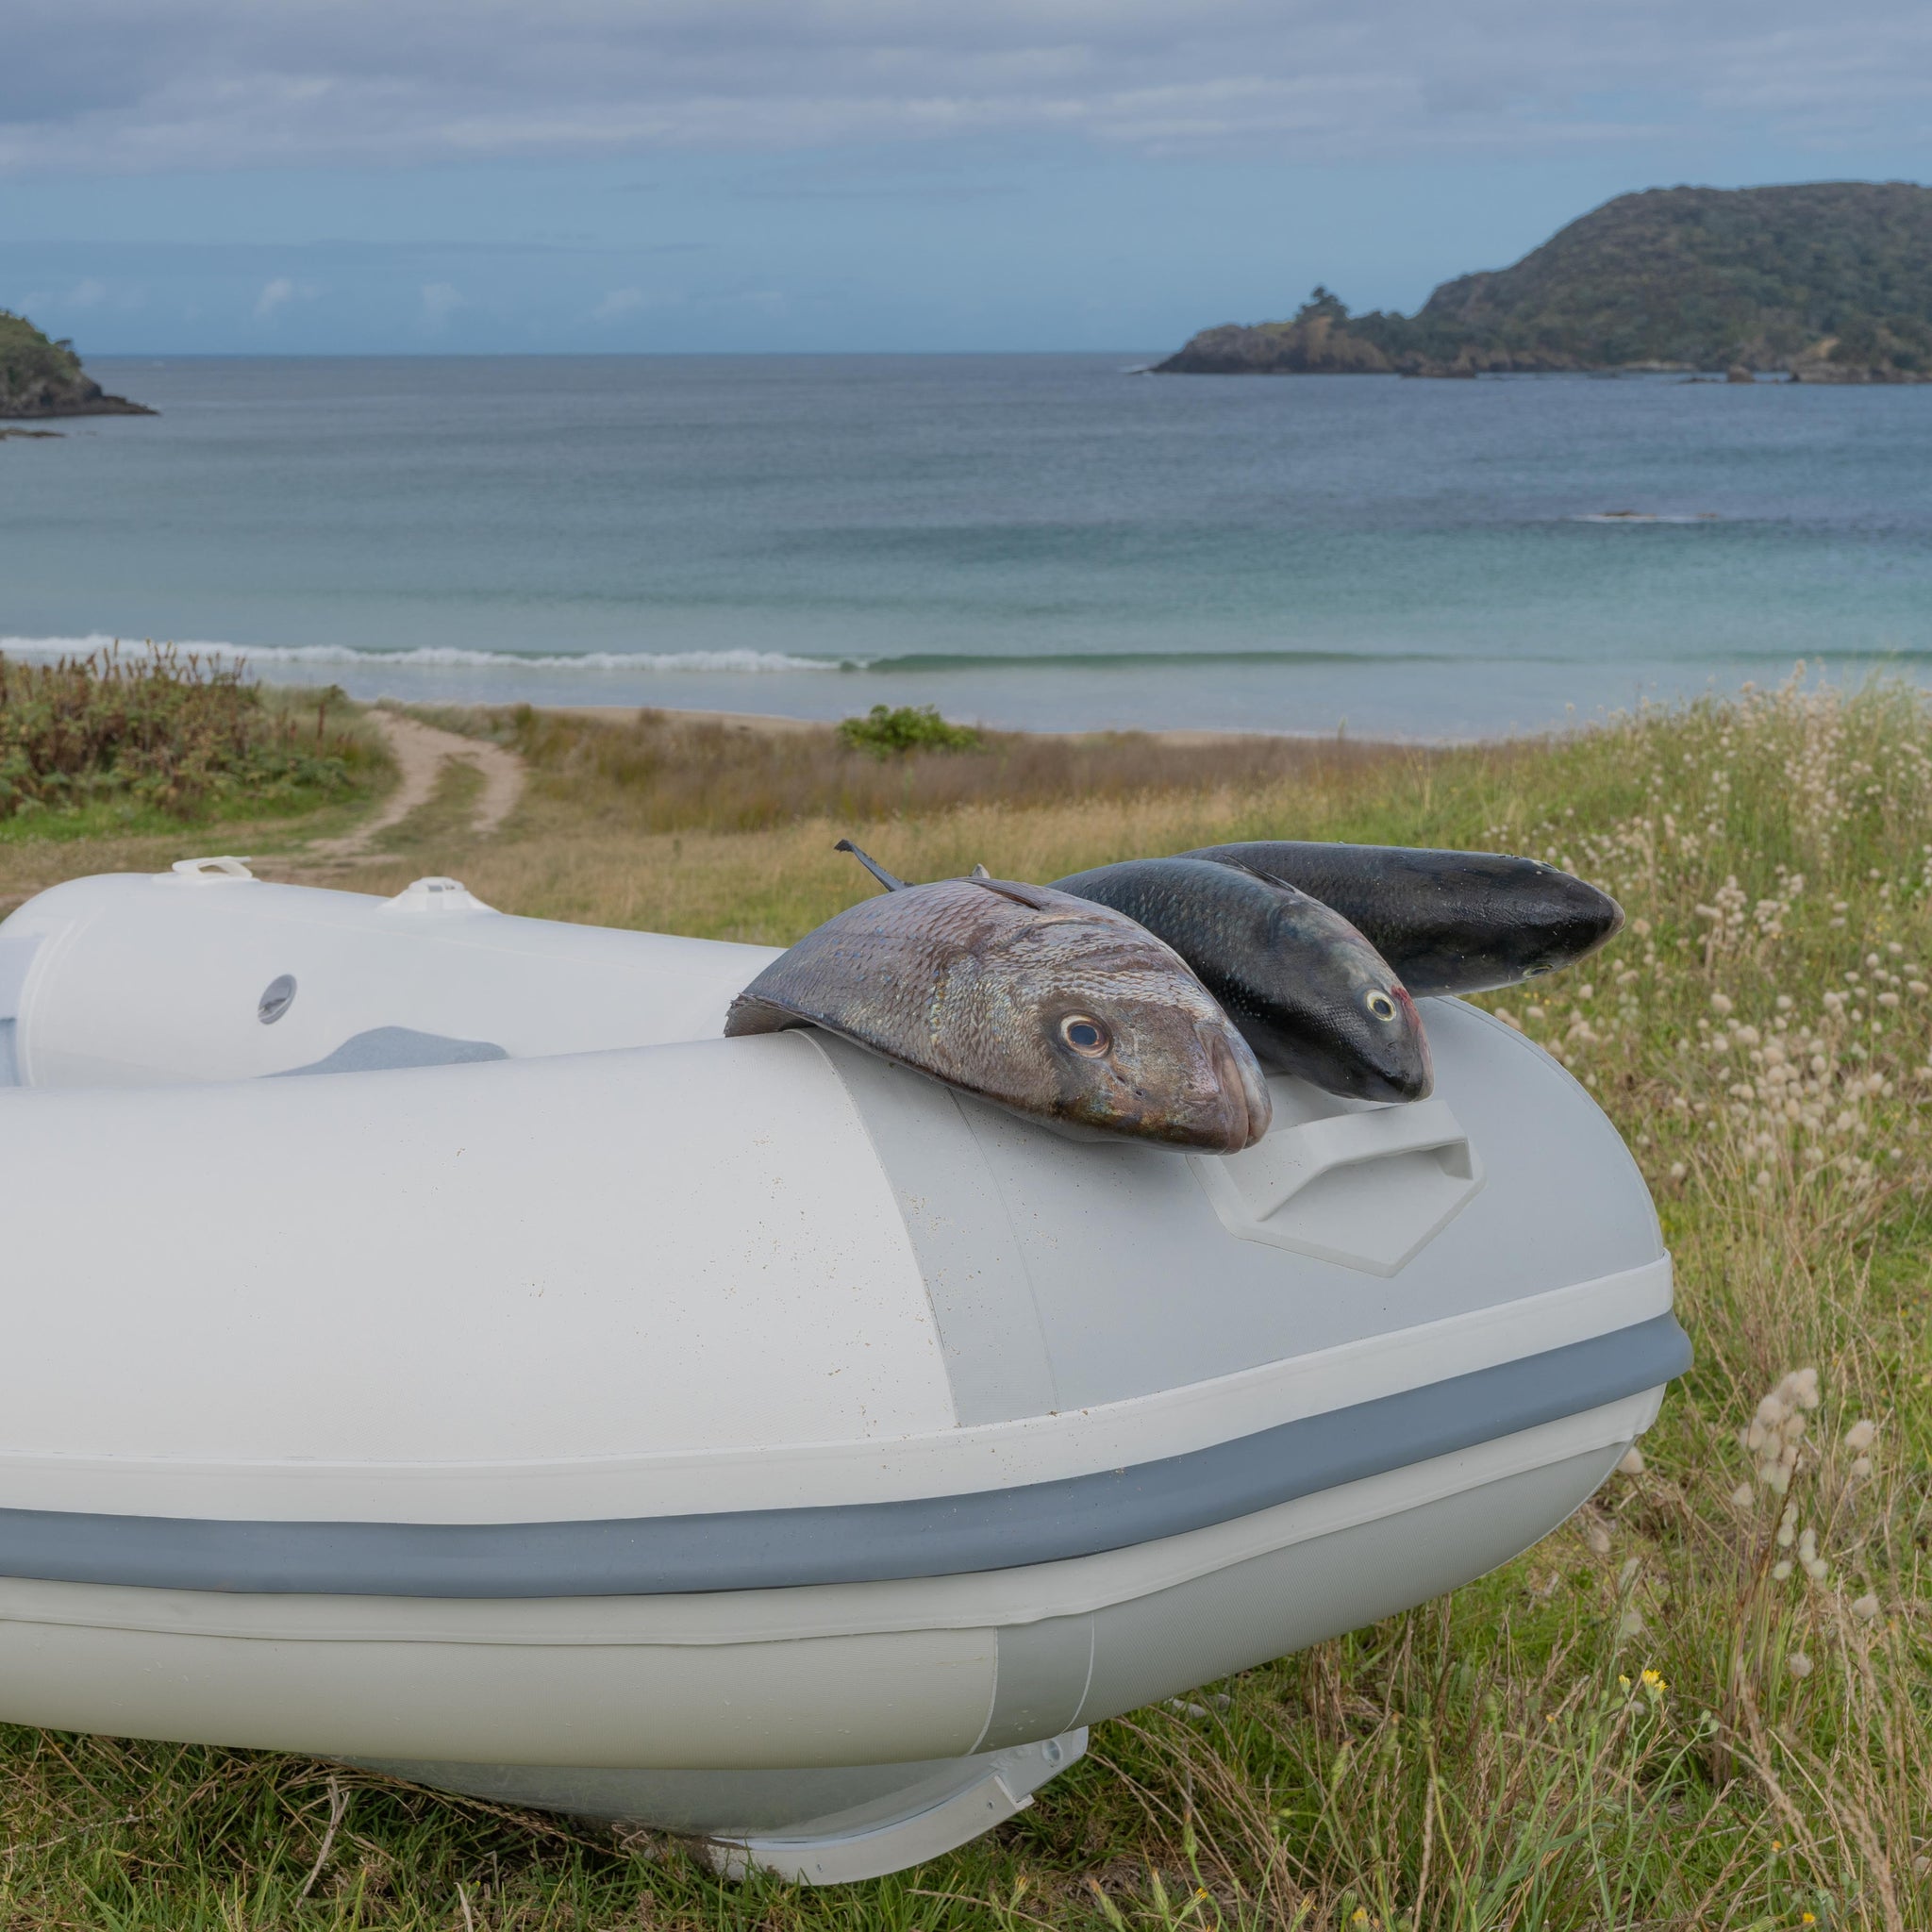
{"points": [[1365, 1188], [209, 871]]}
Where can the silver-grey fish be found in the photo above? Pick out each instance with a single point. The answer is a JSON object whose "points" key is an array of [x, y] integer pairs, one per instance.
{"points": [[1052, 1006], [1447, 922], [1309, 993]]}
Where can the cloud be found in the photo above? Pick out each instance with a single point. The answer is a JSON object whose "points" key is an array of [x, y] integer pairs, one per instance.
{"points": [[618, 304], [440, 300], [129, 86], [275, 294]]}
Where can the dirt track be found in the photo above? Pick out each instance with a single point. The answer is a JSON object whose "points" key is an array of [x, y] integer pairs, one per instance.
{"points": [[421, 751]]}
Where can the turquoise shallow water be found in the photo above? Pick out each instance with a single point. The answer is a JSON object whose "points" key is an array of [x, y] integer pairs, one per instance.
{"points": [[1040, 541]]}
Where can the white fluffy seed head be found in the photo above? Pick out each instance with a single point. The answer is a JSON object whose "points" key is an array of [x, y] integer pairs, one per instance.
{"points": [[1861, 1435]]}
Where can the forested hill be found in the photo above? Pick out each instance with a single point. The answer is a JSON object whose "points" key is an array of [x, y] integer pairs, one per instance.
{"points": [[39, 377], [1830, 281]]}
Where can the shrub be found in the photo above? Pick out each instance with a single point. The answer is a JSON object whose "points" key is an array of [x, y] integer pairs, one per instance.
{"points": [[887, 731], [161, 730]]}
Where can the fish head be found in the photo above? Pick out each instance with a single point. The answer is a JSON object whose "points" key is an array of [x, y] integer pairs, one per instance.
{"points": [[1325, 1004], [1559, 919], [1100, 1024]]}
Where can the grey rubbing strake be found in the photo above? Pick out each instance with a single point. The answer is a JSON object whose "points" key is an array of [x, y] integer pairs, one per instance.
{"points": [[1308, 992], [1056, 1008], [1447, 922]]}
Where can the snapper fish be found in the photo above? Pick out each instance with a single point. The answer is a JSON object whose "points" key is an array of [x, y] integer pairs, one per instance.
{"points": [[1309, 993], [1447, 922], [1061, 1010]]}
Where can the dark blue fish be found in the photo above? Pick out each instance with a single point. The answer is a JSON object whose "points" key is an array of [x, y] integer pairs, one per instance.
{"points": [[1447, 922], [1309, 993]]}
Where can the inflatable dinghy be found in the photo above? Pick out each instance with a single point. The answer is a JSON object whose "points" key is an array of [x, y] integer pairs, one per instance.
{"points": [[436, 1348]]}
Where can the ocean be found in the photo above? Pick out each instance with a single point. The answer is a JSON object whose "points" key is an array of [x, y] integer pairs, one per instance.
{"points": [[1044, 542]]}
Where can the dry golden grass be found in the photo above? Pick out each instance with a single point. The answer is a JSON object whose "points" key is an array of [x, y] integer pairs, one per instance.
{"points": [[663, 771]]}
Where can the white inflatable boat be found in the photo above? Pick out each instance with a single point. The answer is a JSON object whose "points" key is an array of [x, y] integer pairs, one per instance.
{"points": [[543, 1397]]}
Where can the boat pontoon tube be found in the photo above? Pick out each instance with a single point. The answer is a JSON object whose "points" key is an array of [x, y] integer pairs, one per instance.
{"points": [[545, 1397]]}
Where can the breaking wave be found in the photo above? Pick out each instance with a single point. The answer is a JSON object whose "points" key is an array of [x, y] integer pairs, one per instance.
{"points": [[435, 655]]}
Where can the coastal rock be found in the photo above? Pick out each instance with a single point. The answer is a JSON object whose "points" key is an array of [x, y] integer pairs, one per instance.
{"points": [[39, 377]]}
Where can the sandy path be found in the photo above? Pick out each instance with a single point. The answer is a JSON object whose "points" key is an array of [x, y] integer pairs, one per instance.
{"points": [[421, 751]]}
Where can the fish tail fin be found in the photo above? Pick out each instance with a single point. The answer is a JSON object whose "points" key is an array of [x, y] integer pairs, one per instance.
{"points": [[871, 865]]}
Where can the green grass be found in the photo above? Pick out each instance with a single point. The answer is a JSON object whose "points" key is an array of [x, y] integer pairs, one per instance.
{"points": [[1480, 1764]]}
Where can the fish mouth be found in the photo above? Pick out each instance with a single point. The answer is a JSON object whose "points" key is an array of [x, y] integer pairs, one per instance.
{"points": [[1416, 1079], [1247, 1112]]}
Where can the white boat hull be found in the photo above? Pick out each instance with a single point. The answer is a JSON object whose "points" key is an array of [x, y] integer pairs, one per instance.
{"points": [[742, 1436]]}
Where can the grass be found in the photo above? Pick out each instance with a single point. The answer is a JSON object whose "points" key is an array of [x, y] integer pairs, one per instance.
{"points": [[1705, 1701]]}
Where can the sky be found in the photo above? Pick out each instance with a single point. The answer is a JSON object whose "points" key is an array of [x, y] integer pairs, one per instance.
{"points": [[269, 176]]}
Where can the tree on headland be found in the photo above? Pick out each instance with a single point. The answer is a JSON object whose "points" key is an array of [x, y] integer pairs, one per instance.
{"points": [[39, 376]]}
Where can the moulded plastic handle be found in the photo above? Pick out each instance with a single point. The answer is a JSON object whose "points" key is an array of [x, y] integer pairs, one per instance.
{"points": [[209, 871], [1347, 1140], [1366, 1189]]}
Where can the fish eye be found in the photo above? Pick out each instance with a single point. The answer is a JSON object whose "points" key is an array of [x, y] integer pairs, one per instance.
{"points": [[1380, 1005], [1085, 1035]]}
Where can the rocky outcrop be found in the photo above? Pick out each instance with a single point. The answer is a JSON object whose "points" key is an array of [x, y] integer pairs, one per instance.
{"points": [[1316, 342], [39, 377]]}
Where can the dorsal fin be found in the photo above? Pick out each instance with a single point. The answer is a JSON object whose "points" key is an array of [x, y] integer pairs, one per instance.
{"points": [[871, 865], [1040, 898], [1254, 872]]}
